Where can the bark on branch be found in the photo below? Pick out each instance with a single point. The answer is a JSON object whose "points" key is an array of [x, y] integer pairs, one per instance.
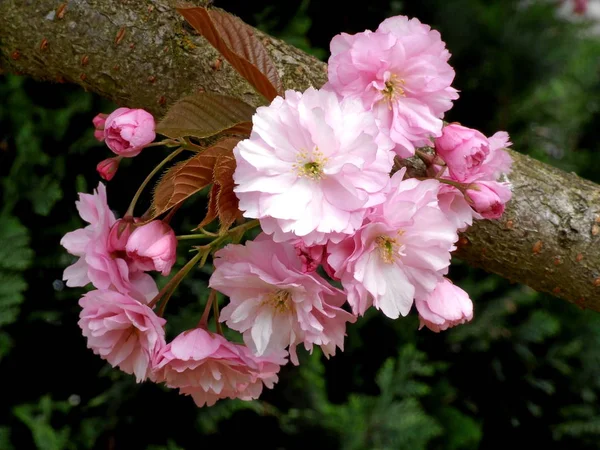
{"points": [[142, 54]]}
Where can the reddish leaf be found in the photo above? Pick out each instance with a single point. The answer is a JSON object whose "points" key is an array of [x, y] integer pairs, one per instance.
{"points": [[227, 202], [238, 44], [203, 115], [188, 177], [241, 129], [211, 213], [223, 203]]}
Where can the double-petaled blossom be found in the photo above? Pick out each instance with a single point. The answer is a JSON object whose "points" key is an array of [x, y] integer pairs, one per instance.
{"points": [[446, 306], [128, 131], [401, 73], [208, 367], [97, 263], [401, 252], [153, 246], [121, 330], [274, 302], [311, 167]]}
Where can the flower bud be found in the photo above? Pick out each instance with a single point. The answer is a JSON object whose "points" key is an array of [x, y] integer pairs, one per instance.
{"points": [[128, 131], [119, 234], [99, 122], [153, 247], [488, 198], [310, 257], [108, 167], [463, 149], [446, 306]]}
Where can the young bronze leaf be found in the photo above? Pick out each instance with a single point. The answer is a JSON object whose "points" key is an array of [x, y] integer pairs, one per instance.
{"points": [[188, 177], [238, 44], [205, 114], [227, 202], [211, 213], [241, 129]]}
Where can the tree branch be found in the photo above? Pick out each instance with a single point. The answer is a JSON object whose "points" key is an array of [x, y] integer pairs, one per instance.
{"points": [[142, 54]]}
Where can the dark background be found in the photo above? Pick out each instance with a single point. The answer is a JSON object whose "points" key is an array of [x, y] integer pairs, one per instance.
{"points": [[526, 370]]}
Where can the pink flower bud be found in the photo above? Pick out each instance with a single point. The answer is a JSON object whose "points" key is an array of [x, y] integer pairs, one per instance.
{"points": [[108, 167], [580, 7], [310, 257], [99, 122], [128, 131], [463, 149], [119, 234], [153, 247], [446, 306], [488, 198]]}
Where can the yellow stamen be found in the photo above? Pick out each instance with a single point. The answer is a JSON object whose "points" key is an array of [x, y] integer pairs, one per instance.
{"points": [[310, 166], [393, 88], [279, 300], [389, 248]]}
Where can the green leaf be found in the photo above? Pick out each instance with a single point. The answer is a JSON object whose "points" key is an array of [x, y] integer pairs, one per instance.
{"points": [[15, 253], [5, 443], [203, 115], [37, 417], [15, 256]]}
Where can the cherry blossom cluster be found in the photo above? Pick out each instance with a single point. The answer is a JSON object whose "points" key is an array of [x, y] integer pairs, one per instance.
{"points": [[322, 173]]}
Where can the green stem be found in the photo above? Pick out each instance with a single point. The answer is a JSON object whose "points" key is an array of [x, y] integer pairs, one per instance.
{"points": [[170, 287], [216, 316], [147, 180], [461, 187], [185, 237], [204, 320]]}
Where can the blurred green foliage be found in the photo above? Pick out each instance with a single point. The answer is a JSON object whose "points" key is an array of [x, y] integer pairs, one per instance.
{"points": [[527, 367]]}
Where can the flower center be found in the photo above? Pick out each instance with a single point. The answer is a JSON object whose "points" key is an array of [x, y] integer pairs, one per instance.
{"points": [[389, 248], [310, 166], [393, 88], [279, 300]]}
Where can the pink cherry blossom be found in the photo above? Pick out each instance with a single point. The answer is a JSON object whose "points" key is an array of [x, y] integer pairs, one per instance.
{"points": [[455, 207], [107, 168], [489, 197], [498, 161], [122, 331], [463, 149], [446, 306], [208, 367], [401, 73], [128, 131], [99, 122], [274, 303], [96, 263], [311, 167], [153, 246], [401, 251]]}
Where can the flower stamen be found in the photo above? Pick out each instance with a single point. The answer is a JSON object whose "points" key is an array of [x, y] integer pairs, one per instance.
{"points": [[393, 89], [389, 248], [279, 300], [310, 166]]}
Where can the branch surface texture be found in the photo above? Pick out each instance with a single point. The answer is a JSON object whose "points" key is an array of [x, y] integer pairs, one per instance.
{"points": [[142, 54]]}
